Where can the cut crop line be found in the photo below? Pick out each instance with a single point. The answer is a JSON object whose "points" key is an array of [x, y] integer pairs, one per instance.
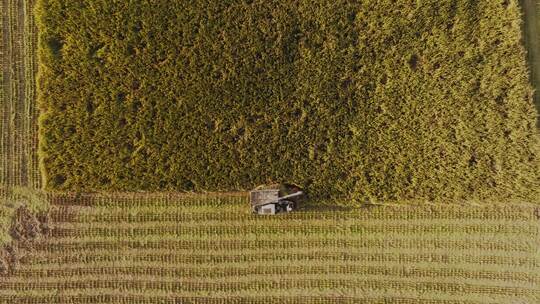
{"points": [[51, 245], [30, 41], [359, 257], [295, 228], [424, 269], [126, 252], [242, 215], [346, 222], [269, 283], [259, 280], [7, 93], [253, 234], [328, 295]]}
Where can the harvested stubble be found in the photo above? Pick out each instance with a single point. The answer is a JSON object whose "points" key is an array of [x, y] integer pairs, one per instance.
{"points": [[381, 100], [20, 204], [431, 254], [18, 108]]}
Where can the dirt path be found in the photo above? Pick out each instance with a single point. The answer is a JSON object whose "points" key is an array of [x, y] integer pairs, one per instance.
{"points": [[531, 30]]}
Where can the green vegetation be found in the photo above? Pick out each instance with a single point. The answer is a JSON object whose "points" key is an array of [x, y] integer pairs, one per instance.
{"points": [[386, 100]]}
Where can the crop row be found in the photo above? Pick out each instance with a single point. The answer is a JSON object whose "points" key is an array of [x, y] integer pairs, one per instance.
{"points": [[30, 138], [261, 283], [285, 268], [300, 238], [7, 95], [19, 165], [285, 221], [302, 255], [74, 244], [500, 231], [3, 117], [186, 216], [291, 296], [182, 216], [126, 253], [235, 212]]}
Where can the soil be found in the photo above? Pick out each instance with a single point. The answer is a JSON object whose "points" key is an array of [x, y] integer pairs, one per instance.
{"points": [[26, 228]]}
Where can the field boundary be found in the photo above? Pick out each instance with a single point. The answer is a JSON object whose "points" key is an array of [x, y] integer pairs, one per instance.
{"points": [[531, 37]]}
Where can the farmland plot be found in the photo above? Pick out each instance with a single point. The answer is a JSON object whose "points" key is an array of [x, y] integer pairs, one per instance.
{"points": [[177, 249], [18, 108], [19, 174], [159, 248], [378, 100]]}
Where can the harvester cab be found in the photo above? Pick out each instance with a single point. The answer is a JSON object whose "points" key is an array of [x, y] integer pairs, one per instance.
{"points": [[270, 201]]}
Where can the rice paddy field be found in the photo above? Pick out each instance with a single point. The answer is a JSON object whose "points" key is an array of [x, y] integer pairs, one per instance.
{"points": [[169, 247], [178, 249], [376, 100]]}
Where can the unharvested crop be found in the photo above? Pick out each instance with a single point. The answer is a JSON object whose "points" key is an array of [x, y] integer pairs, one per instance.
{"points": [[382, 99]]}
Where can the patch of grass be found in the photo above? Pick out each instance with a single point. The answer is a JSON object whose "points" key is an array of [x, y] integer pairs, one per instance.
{"points": [[34, 200], [378, 100]]}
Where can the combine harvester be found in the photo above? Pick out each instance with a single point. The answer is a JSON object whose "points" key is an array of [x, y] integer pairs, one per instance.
{"points": [[269, 201]]}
